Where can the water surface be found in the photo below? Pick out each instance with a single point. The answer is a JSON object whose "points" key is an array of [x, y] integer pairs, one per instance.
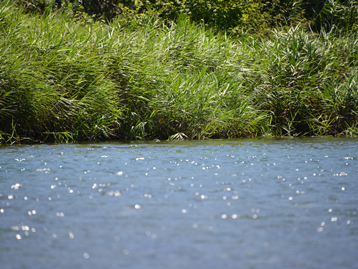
{"points": [[198, 204]]}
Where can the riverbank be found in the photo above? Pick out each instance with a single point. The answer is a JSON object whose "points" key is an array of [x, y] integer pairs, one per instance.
{"points": [[64, 80]]}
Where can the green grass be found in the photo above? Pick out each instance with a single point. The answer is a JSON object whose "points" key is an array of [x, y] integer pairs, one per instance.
{"points": [[62, 80]]}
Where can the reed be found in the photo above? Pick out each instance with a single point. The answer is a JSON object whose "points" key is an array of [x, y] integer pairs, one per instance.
{"points": [[62, 79]]}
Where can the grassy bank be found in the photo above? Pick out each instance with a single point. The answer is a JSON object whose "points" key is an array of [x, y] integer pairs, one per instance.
{"points": [[61, 79]]}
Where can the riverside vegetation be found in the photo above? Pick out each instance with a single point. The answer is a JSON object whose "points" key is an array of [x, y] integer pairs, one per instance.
{"points": [[74, 73]]}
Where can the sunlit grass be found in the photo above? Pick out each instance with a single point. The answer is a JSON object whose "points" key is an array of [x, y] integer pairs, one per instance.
{"points": [[63, 80]]}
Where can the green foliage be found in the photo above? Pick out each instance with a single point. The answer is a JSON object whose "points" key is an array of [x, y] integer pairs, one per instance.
{"points": [[34, 6], [51, 83], [234, 16], [307, 82], [66, 78], [222, 14], [342, 15]]}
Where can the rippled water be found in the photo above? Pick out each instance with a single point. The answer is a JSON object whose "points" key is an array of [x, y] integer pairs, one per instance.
{"points": [[199, 204]]}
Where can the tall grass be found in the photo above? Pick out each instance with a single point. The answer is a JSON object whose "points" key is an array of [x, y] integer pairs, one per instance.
{"points": [[61, 79], [308, 81], [53, 78]]}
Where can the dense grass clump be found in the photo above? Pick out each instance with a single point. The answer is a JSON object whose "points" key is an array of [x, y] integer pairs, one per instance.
{"points": [[63, 79]]}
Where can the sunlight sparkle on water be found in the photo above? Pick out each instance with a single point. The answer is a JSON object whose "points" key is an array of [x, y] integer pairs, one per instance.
{"points": [[140, 203]]}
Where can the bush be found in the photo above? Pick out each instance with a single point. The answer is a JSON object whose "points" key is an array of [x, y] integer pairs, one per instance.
{"points": [[229, 15]]}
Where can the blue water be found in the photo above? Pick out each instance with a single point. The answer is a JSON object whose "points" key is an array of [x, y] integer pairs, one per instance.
{"points": [[273, 203]]}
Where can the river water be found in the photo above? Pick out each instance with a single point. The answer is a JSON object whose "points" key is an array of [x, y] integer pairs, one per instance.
{"points": [[264, 203]]}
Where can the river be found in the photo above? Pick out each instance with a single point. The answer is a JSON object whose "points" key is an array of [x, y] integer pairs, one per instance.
{"points": [[249, 203]]}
